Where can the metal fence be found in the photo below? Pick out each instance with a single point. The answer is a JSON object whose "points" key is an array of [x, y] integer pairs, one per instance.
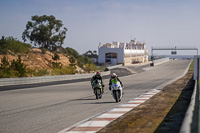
{"points": [[191, 120], [42, 79]]}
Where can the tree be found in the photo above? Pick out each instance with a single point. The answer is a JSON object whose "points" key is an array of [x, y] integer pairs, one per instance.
{"points": [[91, 54], [45, 31], [95, 52], [72, 52]]}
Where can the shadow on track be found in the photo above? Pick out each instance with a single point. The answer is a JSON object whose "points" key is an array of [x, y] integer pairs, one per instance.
{"points": [[100, 102], [89, 99]]}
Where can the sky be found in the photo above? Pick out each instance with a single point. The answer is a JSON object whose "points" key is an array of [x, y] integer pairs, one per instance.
{"points": [[90, 22]]}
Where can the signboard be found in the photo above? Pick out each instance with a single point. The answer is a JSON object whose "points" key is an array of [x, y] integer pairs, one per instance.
{"points": [[173, 52], [196, 58]]}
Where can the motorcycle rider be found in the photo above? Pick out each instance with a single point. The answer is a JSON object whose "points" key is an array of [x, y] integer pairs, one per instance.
{"points": [[114, 78], [99, 77]]}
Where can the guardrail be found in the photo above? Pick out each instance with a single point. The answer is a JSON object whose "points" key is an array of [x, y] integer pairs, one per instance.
{"points": [[159, 61], [115, 66], [42, 79], [191, 120]]}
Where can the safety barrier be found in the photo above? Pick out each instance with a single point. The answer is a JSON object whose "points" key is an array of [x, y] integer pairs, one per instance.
{"points": [[191, 120], [42, 79], [115, 66], [159, 61]]}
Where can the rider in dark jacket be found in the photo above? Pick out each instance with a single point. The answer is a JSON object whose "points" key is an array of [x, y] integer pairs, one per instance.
{"points": [[99, 77]]}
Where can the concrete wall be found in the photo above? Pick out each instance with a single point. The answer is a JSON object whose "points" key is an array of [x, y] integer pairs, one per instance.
{"points": [[43, 79]]}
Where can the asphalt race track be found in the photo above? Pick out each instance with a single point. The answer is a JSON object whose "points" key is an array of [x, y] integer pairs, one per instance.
{"points": [[55, 107]]}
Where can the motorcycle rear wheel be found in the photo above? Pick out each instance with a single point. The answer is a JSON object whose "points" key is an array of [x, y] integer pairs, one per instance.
{"points": [[98, 93]]}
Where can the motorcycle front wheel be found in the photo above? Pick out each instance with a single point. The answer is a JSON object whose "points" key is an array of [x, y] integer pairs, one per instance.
{"points": [[116, 95]]}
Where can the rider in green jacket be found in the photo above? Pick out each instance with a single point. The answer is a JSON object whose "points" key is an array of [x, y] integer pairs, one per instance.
{"points": [[114, 78]]}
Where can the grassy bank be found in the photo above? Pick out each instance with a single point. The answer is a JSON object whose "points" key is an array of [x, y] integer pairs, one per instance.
{"points": [[192, 66]]}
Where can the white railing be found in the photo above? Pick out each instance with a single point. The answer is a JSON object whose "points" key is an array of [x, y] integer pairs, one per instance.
{"points": [[42, 79]]}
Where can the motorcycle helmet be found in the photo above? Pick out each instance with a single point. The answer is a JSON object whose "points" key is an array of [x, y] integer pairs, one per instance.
{"points": [[113, 75], [98, 74]]}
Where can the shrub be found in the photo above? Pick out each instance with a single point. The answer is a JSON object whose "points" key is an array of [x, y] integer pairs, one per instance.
{"points": [[15, 69], [56, 64], [10, 44], [4, 66], [19, 67], [43, 72], [44, 50], [64, 71], [90, 67]]}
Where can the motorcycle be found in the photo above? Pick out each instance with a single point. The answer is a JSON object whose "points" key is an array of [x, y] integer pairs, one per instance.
{"points": [[98, 89], [116, 90]]}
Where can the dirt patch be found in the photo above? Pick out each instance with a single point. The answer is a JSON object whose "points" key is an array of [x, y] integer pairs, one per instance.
{"points": [[147, 117]]}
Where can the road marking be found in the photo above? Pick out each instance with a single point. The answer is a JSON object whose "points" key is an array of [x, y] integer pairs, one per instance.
{"points": [[97, 122], [142, 98], [120, 109], [81, 132], [103, 119], [129, 105], [136, 101], [105, 115], [88, 129]]}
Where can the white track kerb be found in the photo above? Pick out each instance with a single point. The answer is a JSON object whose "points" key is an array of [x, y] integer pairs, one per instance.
{"points": [[99, 121]]}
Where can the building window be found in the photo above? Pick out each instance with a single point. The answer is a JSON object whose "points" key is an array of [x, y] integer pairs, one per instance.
{"points": [[110, 57]]}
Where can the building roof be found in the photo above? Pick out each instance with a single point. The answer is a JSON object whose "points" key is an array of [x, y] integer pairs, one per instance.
{"points": [[132, 45]]}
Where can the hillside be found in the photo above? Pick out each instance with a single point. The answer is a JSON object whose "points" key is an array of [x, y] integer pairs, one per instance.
{"points": [[38, 60], [21, 60]]}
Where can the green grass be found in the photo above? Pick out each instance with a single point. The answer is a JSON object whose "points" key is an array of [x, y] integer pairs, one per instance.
{"points": [[192, 66], [100, 68]]}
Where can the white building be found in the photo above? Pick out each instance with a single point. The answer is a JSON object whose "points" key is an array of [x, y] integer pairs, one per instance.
{"points": [[122, 53]]}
